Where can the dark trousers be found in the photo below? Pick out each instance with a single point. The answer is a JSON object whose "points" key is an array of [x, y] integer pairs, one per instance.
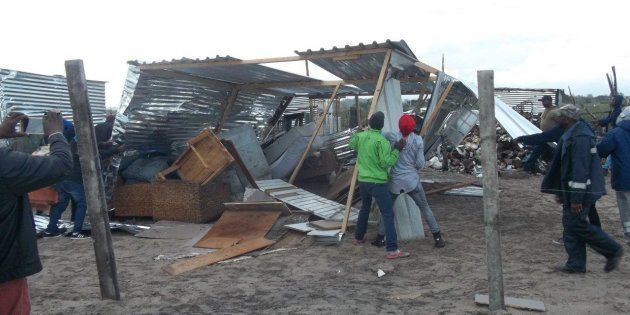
{"points": [[579, 232], [69, 190], [385, 204]]}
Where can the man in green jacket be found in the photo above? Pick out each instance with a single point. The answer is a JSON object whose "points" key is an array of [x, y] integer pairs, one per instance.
{"points": [[374, 158]]}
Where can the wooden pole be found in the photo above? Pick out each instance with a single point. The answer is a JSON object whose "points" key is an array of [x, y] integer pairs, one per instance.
{"points": [[231, 99], [308, 74], [314, 135], [92, 180], [614, 72], [271, 123], [355, 172], [428, 121], [488, 133]]}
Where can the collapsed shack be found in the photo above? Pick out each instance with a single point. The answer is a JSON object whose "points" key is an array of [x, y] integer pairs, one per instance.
{"points": [[201, 135]]}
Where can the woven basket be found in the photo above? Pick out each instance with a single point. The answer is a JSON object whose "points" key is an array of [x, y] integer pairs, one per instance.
{"points": [[187, 201], [133, 200]]}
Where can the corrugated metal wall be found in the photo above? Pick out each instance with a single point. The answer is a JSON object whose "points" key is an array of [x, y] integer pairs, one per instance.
{"points": [[33, 94]]}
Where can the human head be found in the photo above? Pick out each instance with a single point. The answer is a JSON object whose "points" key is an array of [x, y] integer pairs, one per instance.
{"points": [[418, 128], [377, 121], [568, 115], [625, 115], [547, 101], [406, 123], [110, 118]]}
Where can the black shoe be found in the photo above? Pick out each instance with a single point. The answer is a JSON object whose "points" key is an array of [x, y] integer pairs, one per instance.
{"points": [[613, 262], [46, 233], [379, 241], [439, 241], [77, 236], [565, 269]]}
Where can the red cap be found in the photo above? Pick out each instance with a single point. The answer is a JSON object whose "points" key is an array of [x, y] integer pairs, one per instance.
{"points": [[406, 124]]}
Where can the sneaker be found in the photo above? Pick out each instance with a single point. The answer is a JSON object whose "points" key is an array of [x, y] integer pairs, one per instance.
{"points": [[46, 233], [397, 254], [439, 241], [379, 241], [358, 242], [77, 236], [613, 262]]}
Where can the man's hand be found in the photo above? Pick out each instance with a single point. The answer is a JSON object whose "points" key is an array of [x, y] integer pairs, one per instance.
{"points": [[52, 123], [400, 144], [518, 139], [576, 208], [8, 125]]}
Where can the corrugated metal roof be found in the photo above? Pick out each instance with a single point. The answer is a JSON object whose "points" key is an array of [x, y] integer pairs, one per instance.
{"points": [[527, 100], [33, 94]]}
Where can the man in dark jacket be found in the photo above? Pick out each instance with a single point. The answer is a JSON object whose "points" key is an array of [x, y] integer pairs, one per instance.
{"points": [[617, 144], [611, 120], [577, 180], [547, 123], [19, 174]]}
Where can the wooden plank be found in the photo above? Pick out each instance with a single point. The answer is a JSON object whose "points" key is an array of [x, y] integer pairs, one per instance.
{"points": [[258, 206], [193, 65], [273, 120], [326, 224], [488, 134], [214, 257], [438, 106], [314, 135], [242, 225], [355, 172], [92, 180], [449, 187], [523, 304], [426, 67], [227, 108]]}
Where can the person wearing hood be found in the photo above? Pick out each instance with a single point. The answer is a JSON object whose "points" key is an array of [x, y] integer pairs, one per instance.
{"points": [[615, 106], [404, 176], [374, 158], [617, 145], [576, 178]]}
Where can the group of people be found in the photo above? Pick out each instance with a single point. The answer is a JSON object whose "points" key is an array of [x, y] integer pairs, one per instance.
{"points": [[576, 177], [388, 164]]}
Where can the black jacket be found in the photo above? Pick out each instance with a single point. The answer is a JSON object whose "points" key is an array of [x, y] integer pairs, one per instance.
{"points": [[21, 173], [576, 174]]}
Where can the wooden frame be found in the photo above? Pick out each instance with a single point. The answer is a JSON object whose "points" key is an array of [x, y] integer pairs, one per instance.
{"points": [[438, 106], [231, 99]]}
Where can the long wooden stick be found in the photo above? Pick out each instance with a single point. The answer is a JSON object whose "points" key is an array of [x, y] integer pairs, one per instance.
{"points": [[355, 172], [226, 110], [614, 72], [487, 126], [436, 110], [314, 135], [92, 180]]}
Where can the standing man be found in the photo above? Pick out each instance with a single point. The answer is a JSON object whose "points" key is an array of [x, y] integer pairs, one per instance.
{"points": [[547, 123], [404, 177], [577, 180], [374, 158], [617, 144], [610, 120], [19, 174]]}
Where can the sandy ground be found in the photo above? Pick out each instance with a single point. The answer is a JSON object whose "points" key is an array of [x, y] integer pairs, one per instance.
{"points": [[342, 279]]}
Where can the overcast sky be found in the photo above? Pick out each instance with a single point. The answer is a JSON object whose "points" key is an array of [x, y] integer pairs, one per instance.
{"points": [[542, 44]]}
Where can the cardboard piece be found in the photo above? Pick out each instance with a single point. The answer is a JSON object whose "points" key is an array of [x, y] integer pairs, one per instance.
{"points": [[236, 226]]}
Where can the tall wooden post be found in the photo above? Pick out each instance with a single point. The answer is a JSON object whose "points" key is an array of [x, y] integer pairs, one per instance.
{"points": [[92, 180], [355, 172], [488, 133], [229, 103]]}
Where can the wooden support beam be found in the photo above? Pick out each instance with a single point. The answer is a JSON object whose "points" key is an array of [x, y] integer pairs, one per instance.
{"points": [[438, 106], [315, 83], [308, 74], [488, 133], [92, 180], [231, 99], [202, 64], [426, 67], [355, 172], [314, 135], [271, 123], [614, 72]]}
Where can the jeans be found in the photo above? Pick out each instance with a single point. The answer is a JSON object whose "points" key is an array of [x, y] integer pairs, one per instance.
{"points": [[421, 201], [578, 232], [68, 190], [608, 163], [623, 201], [384, 201], [537, 151]]}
